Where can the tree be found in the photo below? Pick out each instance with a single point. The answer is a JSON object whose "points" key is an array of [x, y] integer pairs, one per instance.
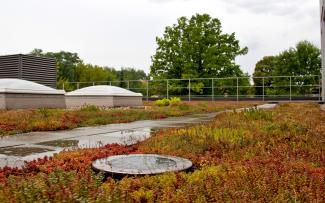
{"points": [[91, 73], [264, 68], [196, 48], [136, 77], [302, 60], [132, 74]]}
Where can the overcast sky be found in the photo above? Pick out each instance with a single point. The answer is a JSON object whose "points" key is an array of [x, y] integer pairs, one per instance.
{"points": [[120, 33]]}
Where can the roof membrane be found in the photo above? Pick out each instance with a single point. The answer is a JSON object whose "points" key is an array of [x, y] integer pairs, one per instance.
{"points": [[103, 90], [24, 86]]}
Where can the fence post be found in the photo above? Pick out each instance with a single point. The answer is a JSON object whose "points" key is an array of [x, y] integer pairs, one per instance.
{"points": [[167, 88], [189, 89], [147, 90], [290, 88], [93, 83], [212, 89], [128, 85], [237, 89], [263, 89], [77, 85], [63, 86]]}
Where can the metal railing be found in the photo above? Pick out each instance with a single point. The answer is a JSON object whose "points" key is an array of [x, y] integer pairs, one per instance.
{"points": [[231, 88]]}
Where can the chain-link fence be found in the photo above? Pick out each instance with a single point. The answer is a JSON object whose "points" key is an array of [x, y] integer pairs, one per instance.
{"points": [[232, 88]]}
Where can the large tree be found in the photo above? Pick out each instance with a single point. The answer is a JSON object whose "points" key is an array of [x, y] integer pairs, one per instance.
{"points": [[302, 60], [264, 68], [127, 74], [87, 73], [196, 48]]}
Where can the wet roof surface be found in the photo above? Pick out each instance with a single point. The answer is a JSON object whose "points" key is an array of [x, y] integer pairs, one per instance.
{"points": [[87, 137], [15, 150]]}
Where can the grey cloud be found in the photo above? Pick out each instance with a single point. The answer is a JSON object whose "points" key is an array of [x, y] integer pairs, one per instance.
{"points": [[275, 7], [165, 1]]}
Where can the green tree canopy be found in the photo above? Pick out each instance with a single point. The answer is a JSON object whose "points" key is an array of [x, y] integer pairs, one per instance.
{"points": [[70, 68], [302, 60], [131, 74], [196, 47], [264, 68], [90, 73]]}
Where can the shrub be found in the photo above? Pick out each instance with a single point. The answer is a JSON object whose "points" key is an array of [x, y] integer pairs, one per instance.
{"points": [[175, 101], [162, 102]]}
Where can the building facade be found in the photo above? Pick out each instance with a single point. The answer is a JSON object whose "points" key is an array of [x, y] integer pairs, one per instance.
{"points": [[322, 21], [27, 67]]}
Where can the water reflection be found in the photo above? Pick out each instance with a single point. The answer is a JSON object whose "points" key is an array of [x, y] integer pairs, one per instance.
{"points": [[141, 163]]}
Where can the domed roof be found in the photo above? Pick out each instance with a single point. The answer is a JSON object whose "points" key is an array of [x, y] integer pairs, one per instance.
{"points": [[103, 90], [24, 86]]}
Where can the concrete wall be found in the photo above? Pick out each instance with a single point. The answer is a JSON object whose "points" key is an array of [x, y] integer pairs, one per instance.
{"points": [[2, 101], [31, 101], [35, 101], [127, 101], [322, 21], [78, 101], [102, 101]]}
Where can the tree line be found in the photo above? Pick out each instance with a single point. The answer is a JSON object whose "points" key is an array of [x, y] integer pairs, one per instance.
{"points": [[197, 47], [71, 68], [303, 62]]}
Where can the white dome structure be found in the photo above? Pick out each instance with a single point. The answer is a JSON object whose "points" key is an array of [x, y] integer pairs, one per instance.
{"points": [[103, 90], [24, 86], [20, 94], [103, 96]]}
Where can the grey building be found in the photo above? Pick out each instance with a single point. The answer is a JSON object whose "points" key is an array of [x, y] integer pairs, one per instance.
{"points": [[322, 21], [41, 70]]}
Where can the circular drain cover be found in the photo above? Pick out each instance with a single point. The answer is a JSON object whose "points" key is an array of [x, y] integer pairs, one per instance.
{"points": [[141, 164]]}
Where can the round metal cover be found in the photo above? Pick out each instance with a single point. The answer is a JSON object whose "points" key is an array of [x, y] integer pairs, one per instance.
{"points": [[141, 164]]}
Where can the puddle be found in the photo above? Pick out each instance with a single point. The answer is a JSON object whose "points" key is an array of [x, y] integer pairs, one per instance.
{"points": [[60, 143], [22, 151]]}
